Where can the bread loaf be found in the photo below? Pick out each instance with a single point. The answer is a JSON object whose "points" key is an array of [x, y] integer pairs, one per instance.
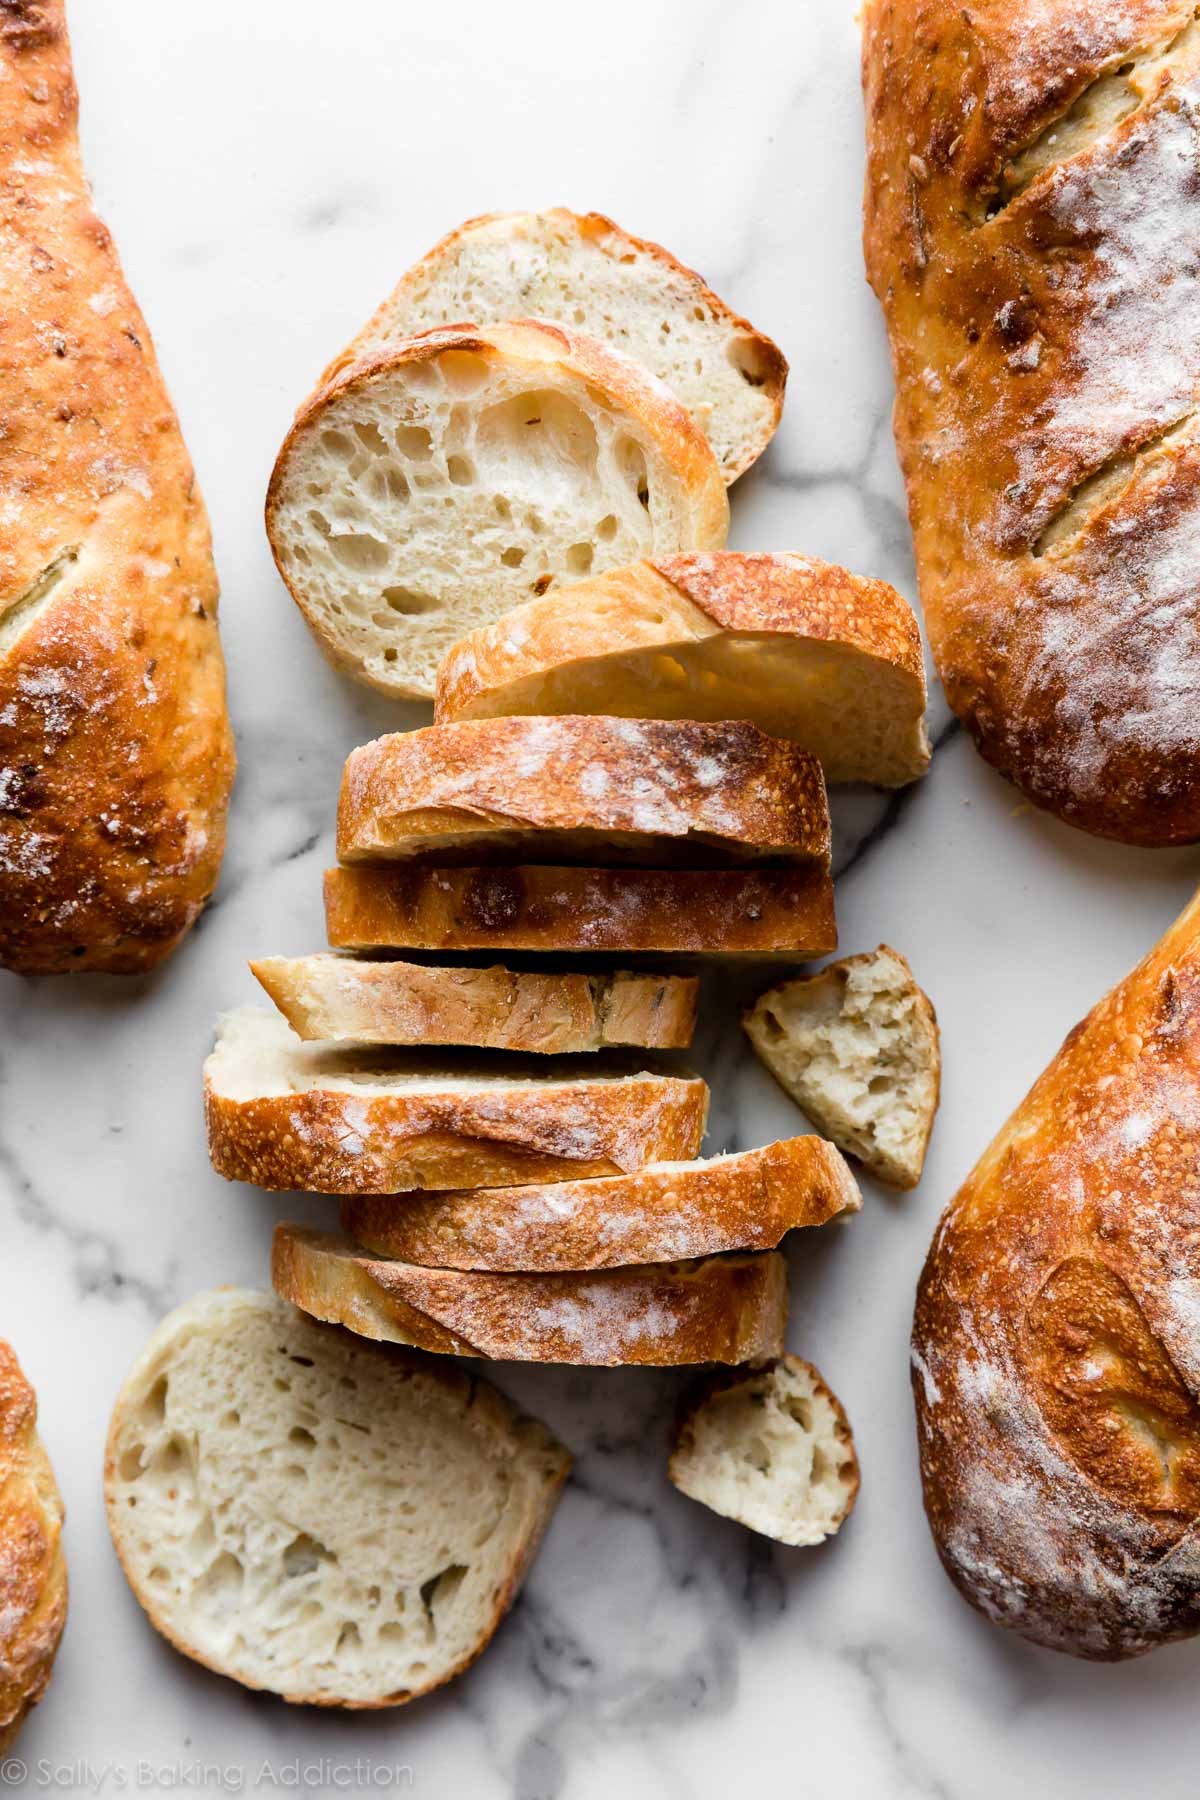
{"points": [[33, 1567]]}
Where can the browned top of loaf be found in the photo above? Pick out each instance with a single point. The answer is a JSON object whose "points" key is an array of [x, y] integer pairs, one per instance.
{"points": [[115, 753], [1045, 333], [723, 790], [33, 1570], [1055, 1350]]}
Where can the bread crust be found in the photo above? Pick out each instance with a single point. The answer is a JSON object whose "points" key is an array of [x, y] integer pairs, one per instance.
{"points": [[727, 912], [579, 788], [1056, 1367], [719, 1309], [116, 758], [743, 1202], [33, 1567], [1046, 358]]}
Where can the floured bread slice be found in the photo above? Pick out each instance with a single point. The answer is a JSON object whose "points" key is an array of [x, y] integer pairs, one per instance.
{"points": [[338, 1523], [285, 1114], [341, 999], [803, 649], [625, 912], [571, 790], [770, 1447], [425, 491], [725, 1309], [582, 270], [663, 1213], [856, 1046], [33, 1565]]}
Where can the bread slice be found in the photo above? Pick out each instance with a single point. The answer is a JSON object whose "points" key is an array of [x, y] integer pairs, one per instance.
{"points": [[582, 270], [801, 648], [334, 1522], [662, 912], [857, 1047], [341, 999], [571, 790], [663, 1213], [284, 1114], [772, 1448], [33, 1566], [724, 1309], [424, 492]]}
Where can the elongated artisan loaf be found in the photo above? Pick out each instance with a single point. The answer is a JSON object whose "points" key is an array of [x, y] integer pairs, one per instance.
{"points": [[33, 1565], [116, 758], [1056, 1360], [1031, 209]]}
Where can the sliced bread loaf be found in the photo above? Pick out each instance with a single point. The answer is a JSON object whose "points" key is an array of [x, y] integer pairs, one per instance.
{"points": [[342, 999], [663, 1213], [338, 1523], [33, 1565], [427, 490], [285, 1114], [802, 648], [725, 1309], [582, 270], [567, 790]]}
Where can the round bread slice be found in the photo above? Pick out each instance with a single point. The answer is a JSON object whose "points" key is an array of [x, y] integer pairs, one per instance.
{"points": [[285, 1114], [336, 1523], [803, 649], [726, 1309], [772, 1448], [664, 1213], [343, 999], [568, 790], [425, 491], [33, 1566], [580, 269]]}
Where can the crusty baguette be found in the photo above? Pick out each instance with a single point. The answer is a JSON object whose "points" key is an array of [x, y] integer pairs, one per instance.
{"points": [[727, 912], [666, 1212], [329, 1520], [342, 999], [427, 490], [725, 1309], [803, 649], [771, 1447], [581, 269], [33, 1566], [116, 758], [566, 790], [1030, 213], [1056, 1361], [285, 1114]]}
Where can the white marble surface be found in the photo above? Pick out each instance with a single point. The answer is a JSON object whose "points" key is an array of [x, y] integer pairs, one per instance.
{"points": [[268, 170]]}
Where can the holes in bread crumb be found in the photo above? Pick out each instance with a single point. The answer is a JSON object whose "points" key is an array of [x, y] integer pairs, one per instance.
{"points": [[631, 461], [408, 601], [502, 509], [549, 430], [513, 557], [393, 1632], [460, 470], [542, 585], [301, 1438], [414, 441], [338, 444], [222, 1580], [349, 1637], [229, 1421], [799, 1409], [579, 559], [463, 370], [154, 1406], [159, 1576], [437, 1594], [370, 437], [131, 1463], [747, 358], [305, 1554], [606, 530], [360, 552]]}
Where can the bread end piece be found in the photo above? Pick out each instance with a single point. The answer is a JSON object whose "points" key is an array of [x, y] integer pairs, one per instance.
{"points": [[33, 1568]]}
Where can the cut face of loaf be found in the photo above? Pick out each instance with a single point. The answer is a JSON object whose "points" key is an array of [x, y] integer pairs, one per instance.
{"points": [[568, 790], [426, 491], [803, 649], [340, 999], [584, 271], [310, 1514], [284, 1114]]}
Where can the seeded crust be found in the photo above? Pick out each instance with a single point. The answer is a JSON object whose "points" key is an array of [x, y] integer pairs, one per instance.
{"points": [[33, 1568]]}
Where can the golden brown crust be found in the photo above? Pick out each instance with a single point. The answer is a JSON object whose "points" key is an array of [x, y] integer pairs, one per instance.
{"points": [[33, 1568], [116, 758], [1055, 1351]]}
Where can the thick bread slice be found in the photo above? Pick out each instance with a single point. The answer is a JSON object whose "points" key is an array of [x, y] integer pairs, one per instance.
{"points": [[33, 1567], [802, 648], [772, 1448], [284, 1114], [721, 1309], [857, 1046], [340, 999], [337, 1523], [726, 912], [665, 1212], [583, 790], [580, 269], [424, 492]]}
